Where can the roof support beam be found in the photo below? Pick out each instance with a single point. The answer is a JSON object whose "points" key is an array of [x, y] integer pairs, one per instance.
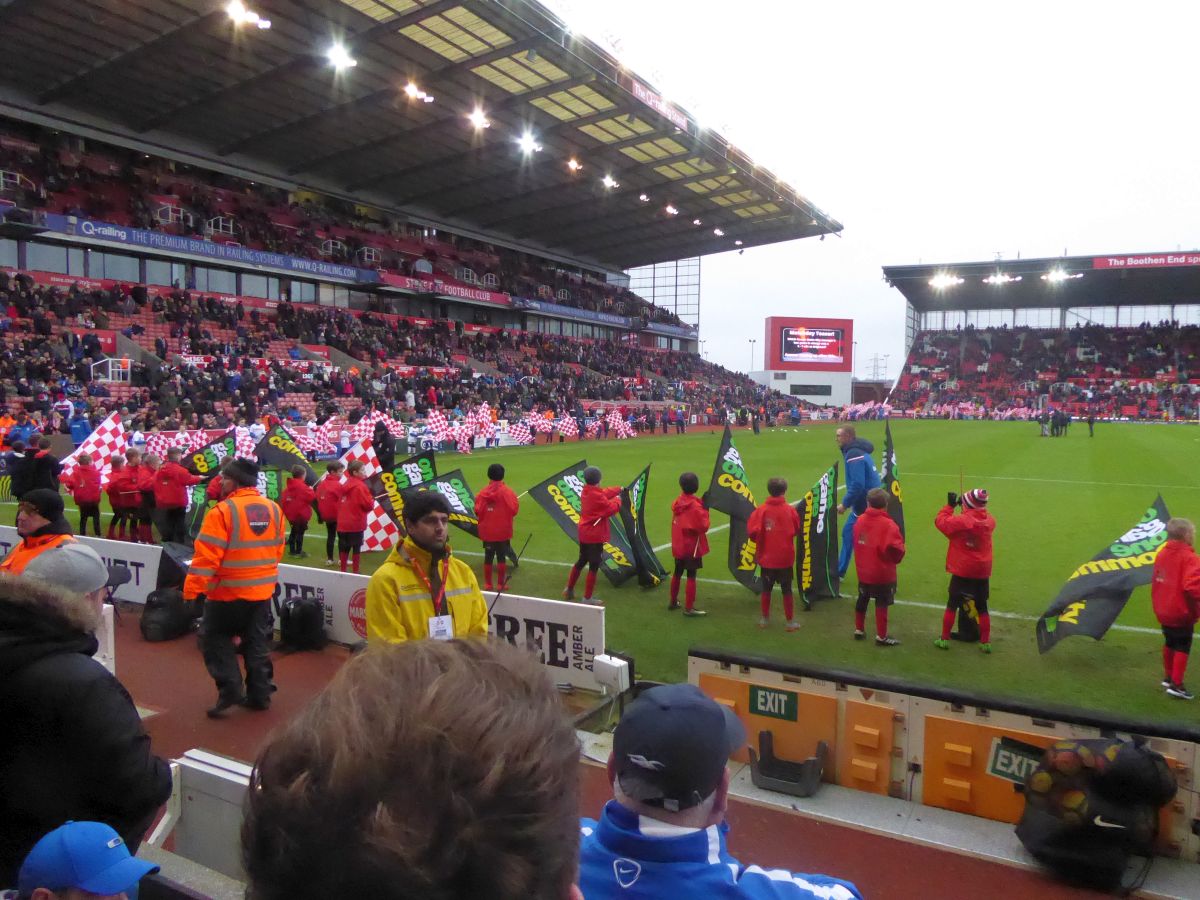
{"points": [[293, 64], [168, 38], [509, 102], [432, 79], [383, 140]]}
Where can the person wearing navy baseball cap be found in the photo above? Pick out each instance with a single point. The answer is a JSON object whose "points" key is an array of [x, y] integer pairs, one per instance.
{"points": [[663, 833], [88, 857]]}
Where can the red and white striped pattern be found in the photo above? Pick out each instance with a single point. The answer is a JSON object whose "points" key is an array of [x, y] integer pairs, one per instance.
{"points": [[618, 424], [520, 433], [439, 428], [567, 426], [107, 441]]}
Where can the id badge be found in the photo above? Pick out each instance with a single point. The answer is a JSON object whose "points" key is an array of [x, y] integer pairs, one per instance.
{"points": [[441, 628]]}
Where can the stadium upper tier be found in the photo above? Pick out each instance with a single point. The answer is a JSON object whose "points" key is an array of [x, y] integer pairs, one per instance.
{"points": [[1146, 372], [56, 173], [487, 115]]}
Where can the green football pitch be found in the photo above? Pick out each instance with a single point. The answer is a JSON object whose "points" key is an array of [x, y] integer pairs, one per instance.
{"points": [[1057, 502]]}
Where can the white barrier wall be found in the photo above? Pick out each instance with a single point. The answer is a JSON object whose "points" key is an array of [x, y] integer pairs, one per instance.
{"points": [[141, 559], [564, 636]]}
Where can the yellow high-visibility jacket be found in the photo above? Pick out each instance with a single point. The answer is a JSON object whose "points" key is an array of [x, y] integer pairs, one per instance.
{"points": [[399, 605], [237, 553]]}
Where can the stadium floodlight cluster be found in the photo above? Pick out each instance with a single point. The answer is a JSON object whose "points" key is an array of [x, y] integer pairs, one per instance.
{"points": [[239, 14], [944, 280]]}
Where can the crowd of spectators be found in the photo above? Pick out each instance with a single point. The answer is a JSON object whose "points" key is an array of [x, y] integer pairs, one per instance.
{"points": [[67, 175], [397, 366], [1147, 372]]}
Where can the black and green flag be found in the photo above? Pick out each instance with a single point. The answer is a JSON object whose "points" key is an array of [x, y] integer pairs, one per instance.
{"points": [[817, 542], [729, 492], [560, 496], [271, 482], [728, 489], [278, 448], [891, 479], [1097, 591], [207, 460], [453, 486], [633, 508], [389, 486]]}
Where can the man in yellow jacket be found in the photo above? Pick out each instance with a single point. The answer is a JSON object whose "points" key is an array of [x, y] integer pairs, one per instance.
{"points": [[421, 590], [234, 570]]}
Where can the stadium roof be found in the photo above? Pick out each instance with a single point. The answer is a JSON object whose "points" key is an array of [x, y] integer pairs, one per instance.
{"points": [[181, 70], [1123, 279]]}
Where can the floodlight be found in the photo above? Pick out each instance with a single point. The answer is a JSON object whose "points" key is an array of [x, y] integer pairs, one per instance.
{"points": [[1057, 275], [240, 15], [574, 165], [737, 243], [944, 280], [671, 210], [528, 144], [1000, 278], [609, 182], [718, 232], [340, 58], [645, 198], [697, 222], [478, 119]]}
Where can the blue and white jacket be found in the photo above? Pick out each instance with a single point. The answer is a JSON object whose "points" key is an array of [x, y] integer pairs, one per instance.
{"points": [[860, 474], [631, 857]]}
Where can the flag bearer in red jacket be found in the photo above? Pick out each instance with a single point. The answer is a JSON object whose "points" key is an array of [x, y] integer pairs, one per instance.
{"points": [[355, 501], [878, 547], [84, 484], [773, 528], [297, 505], [496, 507], [689, 541], [1175, 594], [969, 562], [118, 480], [596, 506], [170, 485]]}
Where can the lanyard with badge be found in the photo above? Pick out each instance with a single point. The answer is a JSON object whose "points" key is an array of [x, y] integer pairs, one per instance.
{"points": [[441, 624]]}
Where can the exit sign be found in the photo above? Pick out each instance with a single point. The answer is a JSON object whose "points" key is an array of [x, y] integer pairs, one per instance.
{"points": [[773, 703]]}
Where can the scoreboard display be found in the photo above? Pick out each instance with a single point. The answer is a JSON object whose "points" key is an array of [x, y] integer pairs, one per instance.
{"points": [[809, 344]]}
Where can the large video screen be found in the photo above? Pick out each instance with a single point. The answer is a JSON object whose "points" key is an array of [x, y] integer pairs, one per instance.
{"points": [[812, 345]]}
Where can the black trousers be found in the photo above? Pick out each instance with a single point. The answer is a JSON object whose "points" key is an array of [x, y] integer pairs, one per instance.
{"points": [[173, 526], [89, 512], [253, 622], [330, 537], [296, 538]]}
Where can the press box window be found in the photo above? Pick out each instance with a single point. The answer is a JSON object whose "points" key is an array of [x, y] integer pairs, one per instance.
{"points": [[812, 390]]}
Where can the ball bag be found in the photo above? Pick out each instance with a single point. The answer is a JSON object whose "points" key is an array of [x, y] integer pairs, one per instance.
{"points": [[1090, 805]]}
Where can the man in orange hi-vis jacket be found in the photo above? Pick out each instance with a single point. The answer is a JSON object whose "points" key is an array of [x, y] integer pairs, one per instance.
{"points": [[235, 568]]}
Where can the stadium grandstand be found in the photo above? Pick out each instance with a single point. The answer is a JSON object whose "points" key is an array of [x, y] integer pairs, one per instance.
{"points": [[1114, 337], [218, 216]]}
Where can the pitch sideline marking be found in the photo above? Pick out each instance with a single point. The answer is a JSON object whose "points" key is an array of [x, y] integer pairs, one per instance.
{"points": [[1137, 629], [1184, 487]]}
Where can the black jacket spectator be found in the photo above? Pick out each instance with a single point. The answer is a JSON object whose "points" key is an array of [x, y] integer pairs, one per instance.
{"points": [[73, 746], [43, 469]]}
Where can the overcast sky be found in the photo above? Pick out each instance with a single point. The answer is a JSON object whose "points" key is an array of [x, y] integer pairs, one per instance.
{"points": [[934, 131]]}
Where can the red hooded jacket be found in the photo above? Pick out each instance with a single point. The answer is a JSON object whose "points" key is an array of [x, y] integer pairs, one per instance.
{"points": [[970, 552], [773, 527], [84, 484], [597, 506], [878, 547], [1175, 590], [171, 482], [689, 527], [496, 506], [354, 502], [118, 485], [329, 492], [297, 501], [213, 491]]}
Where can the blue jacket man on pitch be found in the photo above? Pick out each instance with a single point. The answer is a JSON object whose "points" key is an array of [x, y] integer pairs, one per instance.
{"points": [[664, 833], [860, 478]]}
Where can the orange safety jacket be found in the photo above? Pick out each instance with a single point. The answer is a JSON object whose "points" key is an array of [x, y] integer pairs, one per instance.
{"points": [[237, 553], [27, 550]]}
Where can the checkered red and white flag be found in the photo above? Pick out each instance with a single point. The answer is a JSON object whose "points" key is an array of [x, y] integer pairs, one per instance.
{"points": [[107, 441], [618, 424], [567, 426], [244, 446], [481, 416], [520, 432], [381, 532], [439, 428]]}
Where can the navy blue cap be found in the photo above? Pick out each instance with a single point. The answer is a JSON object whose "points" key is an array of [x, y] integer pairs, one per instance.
{"points": [[88, 856], [671, 746]]}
